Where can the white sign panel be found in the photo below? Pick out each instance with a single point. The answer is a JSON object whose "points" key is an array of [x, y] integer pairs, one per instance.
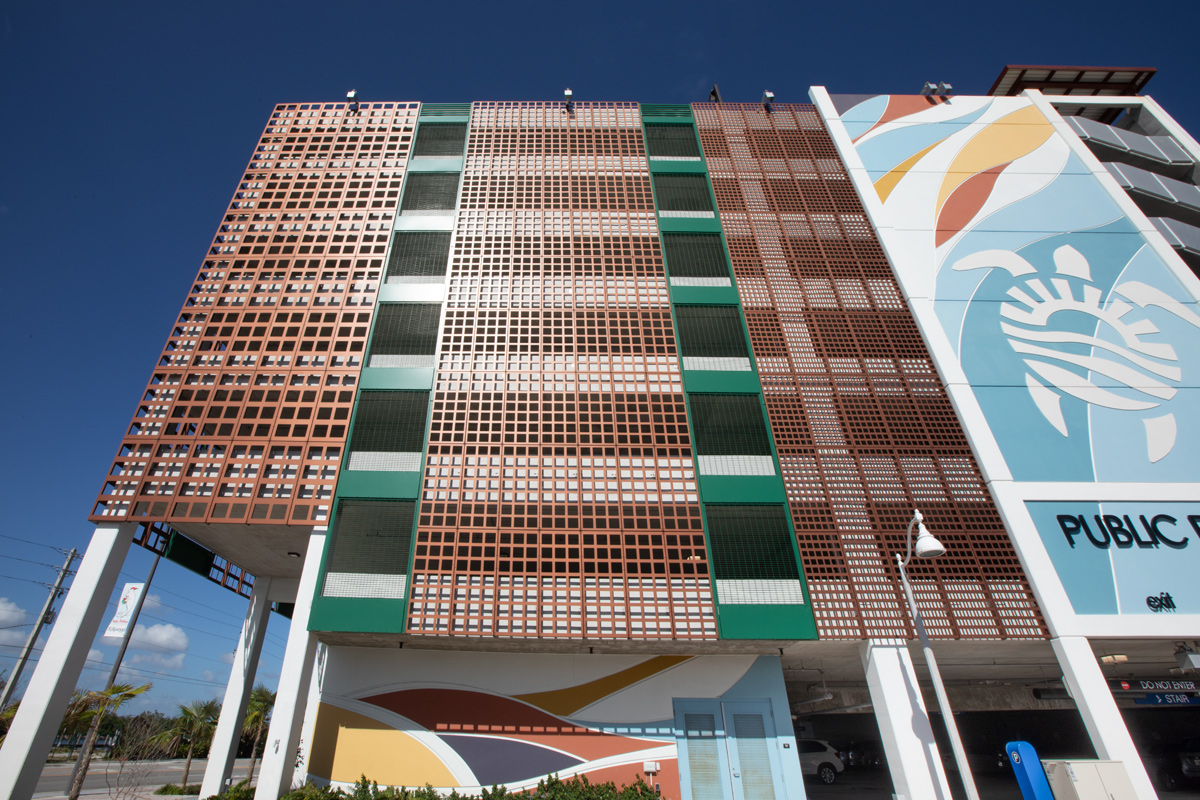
{"points": [[125, 606]]}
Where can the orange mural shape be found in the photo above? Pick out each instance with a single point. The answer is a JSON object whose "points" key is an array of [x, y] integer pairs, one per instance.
{"points": [[999, 143], [903, 105], [964, 203]]}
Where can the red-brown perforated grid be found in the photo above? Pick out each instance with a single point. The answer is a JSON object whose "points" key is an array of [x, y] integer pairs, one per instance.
{"points": [[245, 417], [560, 496], [863, 427]]}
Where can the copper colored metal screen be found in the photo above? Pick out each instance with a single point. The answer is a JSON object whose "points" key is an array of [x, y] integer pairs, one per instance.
{"points": [[245, 417], [560, 498], [863, 427]]}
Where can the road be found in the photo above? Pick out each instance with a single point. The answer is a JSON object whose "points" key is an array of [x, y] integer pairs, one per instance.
{"points": [[104, 776]]}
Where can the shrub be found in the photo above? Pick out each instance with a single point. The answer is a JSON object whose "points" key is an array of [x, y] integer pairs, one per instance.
{"points": [[550, 788]]}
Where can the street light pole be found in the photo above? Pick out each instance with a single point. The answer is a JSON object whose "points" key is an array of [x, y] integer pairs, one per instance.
{"points": [[929, 547]]}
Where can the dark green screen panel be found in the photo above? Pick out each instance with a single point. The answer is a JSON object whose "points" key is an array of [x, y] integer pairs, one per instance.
{"points": [[405, 329], [728, 425], [440, 139], [695, 255], [678, 141], [710, 332], [751, 543], [419, 254], [389, 422], [430, 191], [682, 192], [372, 537]]}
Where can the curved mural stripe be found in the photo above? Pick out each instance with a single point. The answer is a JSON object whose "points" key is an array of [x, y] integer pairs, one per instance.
{"points": [[885, 185], [903, 105], [862, 116], [899, 142], [455, 711], [347, 745], [964, 203], [498, 760], [1004, 140], [572, 698]]}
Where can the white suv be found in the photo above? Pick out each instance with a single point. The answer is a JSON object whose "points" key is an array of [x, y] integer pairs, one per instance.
{"points": [[818, 757]]}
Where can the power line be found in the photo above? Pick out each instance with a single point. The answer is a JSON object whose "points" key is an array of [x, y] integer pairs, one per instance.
{"points": [[269, 637], [140, 669], [27, 580], [30, 541], [39, 563]]}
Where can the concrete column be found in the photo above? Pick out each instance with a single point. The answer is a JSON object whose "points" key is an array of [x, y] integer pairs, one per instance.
{"points": [[908, 743], [32, 733], [1086, 683], [283, 737], [237, 693]]}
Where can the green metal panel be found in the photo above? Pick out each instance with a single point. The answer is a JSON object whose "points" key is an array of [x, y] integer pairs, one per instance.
{"points": [[357, 614], [660, 113], [372, 485], [403, 378], [691, 167], [689, 225], [696, 380], [186, 553], [766, 622], [742, 488], [703, 295], [445, 112]]}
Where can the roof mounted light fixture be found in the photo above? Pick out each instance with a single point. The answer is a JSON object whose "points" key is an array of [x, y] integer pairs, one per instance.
{"points": [[352, 98], [929, 88], [568, 102], [714, 94], [767, 99], [944, 89]]}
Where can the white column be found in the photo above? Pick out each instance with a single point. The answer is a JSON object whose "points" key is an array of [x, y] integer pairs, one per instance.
{"points": [[237, 693], [908, 743], [1088, 687], [283, 737], [28, 742]]}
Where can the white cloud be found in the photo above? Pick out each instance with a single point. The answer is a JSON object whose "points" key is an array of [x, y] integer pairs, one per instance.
{"points": [[95, 657], [158, 662], [160, 638], [208, 675], [227, 658], [11, 616], [153, 602]]}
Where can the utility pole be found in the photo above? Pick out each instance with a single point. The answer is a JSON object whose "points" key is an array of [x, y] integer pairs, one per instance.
{"points": [[46, 616], [89, 742]]}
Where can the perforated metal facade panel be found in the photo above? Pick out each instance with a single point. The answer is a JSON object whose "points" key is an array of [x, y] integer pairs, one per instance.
{"points": [[559, 462], [245, 416], [863, 427]]}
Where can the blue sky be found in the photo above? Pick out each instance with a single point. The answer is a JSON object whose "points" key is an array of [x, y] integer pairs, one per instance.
{"points": [[127, 125]]}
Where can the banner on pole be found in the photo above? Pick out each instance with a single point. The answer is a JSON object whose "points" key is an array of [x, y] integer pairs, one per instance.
{"points": [[125, 606]]}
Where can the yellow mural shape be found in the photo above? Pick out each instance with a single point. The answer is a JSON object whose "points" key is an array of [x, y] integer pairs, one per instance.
{"points": [[1023, 132], [885, 185], [564, 702], [347, 745]]}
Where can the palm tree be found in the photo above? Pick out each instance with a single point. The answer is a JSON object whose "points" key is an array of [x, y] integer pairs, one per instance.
{"points": [[193, 727], [258, 717], [100, 704]]}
